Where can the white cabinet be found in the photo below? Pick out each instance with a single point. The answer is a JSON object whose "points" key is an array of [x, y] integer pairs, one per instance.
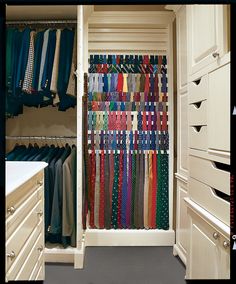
{"points": [[206, 34], [219, 109], [25, 221], [209, 248]]}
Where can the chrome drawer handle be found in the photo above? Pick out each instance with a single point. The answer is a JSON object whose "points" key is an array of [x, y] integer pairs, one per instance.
{"points": [[40, 213], [40, 182], [40, 248], [225, 244], [215, 54], [216, 235], [11, 255], [11, 210]]}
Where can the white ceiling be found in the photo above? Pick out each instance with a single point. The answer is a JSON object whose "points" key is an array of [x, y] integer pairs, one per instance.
{"points": [[67, 12]]}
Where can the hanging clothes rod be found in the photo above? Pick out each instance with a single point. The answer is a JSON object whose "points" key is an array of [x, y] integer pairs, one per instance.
{"points": [[40, 137], [41, 22]]}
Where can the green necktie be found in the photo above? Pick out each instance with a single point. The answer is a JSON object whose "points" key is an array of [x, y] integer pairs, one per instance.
{"points": [[133, 189]]}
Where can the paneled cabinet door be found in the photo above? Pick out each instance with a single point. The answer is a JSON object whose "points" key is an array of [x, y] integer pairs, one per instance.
{"points": [[219, 109], [205, 35], [208, 257]]}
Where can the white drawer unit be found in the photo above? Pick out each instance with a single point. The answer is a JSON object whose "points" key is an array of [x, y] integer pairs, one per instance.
{"points": [[25, 221], [198, 137], [198, 90], [198, 113], [209, 245], [207, 197], [206, 171]]}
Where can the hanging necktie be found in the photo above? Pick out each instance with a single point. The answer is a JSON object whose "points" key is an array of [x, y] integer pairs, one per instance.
{"points": [[144, 121], [148, 140], [136, 197], [164, 194], [105, 121], [120, 189], [145, 194], [149, 121], [124, 190], [100, 83], [146, 88], [133, 189], [107, 209], [113, 59], [120, 83], [114, 216], [136, 140], [129, 121], [135, 122], [142, 83], [164, 121], [150, 183], [94, 120], [158, 121], [129, 192], [140, 121], [102, 141], [154, 190], [159, 191], [123, 120], [131, 140], [141, 191], [93, 178], [108, 82], [129, 82], [153, 140], [101, 195], [137, 83], [125, 84]]}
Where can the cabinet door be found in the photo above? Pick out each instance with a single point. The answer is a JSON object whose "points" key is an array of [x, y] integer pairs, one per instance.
{"points": [[219, 109], [205, 35]]}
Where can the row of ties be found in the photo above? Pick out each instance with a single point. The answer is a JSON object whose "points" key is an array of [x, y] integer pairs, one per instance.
{"points": [[127, 106], [118, 82], [127, 59], [127, 120], [136, 140], [128, 191]]}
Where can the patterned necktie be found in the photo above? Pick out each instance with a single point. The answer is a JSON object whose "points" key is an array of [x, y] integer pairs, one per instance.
{"points": [[136, 197], [133, 189], [97, 191], [129, 193], [149, 121], [123, 121], [114, 216], [140, 121], [94, 120], [105, 83], [154, 191], [135, 122], [129, 121], [158, 121], [141, 192], [146, 190], [107, 209], [102, 193], [105, 124], [93, 169], [146, 89], [164, 121], [120, 189], [125, 85], [102, 141], [124, 191], [150, 183], [111, 181], [120, 83], [131, 140], [144, 121]]}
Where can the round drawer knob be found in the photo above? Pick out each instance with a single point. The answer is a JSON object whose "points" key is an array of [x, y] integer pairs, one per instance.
{"points": [[40, 248], [40, 213], [216, 235], [11, 210], [40, 182], [215, 54], [225, 244], [11, 255]]}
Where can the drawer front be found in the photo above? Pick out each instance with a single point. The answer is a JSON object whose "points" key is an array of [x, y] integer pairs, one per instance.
{"points": [[33, 257], [22, 212], [198, 139], [206, 172], [15, 268], [38, 267], [40, 274], [17, 240], [205, 196], [198, 90], [16, 198], [198, 113]]}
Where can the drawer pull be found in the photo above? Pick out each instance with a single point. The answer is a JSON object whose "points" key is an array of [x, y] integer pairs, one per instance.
{"points": [[197, 105], [221, 195], [216, 235], [225, 244], [40, 213], [40, 182], [221, 166], [197, 82], [11, 210], [197, 128], [40, 248], [11, 255], [215, 54]]}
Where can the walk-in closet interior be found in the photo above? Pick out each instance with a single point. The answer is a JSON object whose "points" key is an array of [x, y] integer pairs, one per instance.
{"points": [[117, 134]]}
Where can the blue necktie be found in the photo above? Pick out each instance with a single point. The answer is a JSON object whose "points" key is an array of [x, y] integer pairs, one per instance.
{"points": [[164, 82], [131, 140], [114, 59], [140, 127], [105, 83], [114, 142], [152, 79], [102, 141], [157, 141], [153, 138], [122, 106], [115, 106], [148, 140], [90, 120]]}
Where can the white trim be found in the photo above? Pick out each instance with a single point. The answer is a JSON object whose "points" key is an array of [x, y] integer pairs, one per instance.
{"points": [[113, 237], [181, 177], [178, 251], [59, 254], [174, 8], [209, 156]]}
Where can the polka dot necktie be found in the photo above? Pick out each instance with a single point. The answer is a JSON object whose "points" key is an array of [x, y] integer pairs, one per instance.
{"points": [[164, 222], [114, 217]]}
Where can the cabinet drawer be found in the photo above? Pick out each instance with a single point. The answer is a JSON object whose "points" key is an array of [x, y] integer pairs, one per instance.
{"points": [[33, 257], [13, 271], [38, 267], [17, 240], [206, 172], [14, 220], [17, 197], [198, 113], [206, 197], [198, 137], [40, 274], [198, 90]]}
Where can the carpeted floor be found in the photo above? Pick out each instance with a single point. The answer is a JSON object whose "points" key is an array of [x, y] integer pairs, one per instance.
{"points": [[121, 265]]}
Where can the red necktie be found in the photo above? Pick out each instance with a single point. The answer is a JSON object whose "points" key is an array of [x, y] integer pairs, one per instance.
{"points": [[111, 164], [102, 193], [120, 83], [146, 59], [164, 121], [154, 190], [156, 88], [146, 89], [144, 121], [158, 121], [93, 165], [120, 189]]}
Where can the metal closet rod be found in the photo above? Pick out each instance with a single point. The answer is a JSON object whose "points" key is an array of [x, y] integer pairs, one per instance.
{"points": [[41, 22], [40, 137]]}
